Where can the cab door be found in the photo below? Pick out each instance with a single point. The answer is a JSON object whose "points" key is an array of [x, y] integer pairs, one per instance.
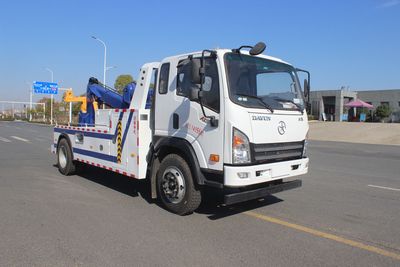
{"points": [[177, 116]]}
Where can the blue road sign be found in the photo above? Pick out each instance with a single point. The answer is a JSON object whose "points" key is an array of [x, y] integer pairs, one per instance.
{"points": [[45, 88]]}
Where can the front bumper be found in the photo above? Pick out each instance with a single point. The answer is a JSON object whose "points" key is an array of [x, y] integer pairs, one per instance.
{"points": [[260, 192], [263, 173]]}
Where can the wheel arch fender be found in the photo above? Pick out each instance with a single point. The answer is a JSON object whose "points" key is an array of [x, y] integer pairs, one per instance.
{"points": [[170, 145]]}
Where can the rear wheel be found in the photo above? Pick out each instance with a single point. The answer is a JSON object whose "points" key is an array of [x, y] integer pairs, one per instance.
{"points": [[65, 161], [175, 185]]}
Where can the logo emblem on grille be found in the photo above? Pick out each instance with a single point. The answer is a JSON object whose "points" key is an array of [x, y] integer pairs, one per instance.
{"points": [[281, 127]]}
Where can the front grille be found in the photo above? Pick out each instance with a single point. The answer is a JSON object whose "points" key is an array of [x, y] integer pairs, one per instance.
{"points": [[276, 152]]}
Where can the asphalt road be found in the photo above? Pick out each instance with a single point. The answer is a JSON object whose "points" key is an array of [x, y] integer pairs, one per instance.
{"points": [[346, 214]]}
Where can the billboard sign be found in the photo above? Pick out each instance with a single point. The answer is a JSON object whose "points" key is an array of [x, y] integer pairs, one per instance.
{"points": [[45, 88]]}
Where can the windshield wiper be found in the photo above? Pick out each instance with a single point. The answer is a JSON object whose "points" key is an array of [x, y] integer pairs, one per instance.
{"points": [[290, 101], [259, 99]]}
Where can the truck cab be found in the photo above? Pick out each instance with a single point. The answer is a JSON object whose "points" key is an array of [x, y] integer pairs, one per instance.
{"points": [[242, 122]]}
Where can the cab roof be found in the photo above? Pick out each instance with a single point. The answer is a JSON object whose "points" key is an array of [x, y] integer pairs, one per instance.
{"points": [[222, 52]]}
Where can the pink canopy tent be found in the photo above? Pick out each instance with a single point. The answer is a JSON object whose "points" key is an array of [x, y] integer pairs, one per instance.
{"points": [[358, 104]]}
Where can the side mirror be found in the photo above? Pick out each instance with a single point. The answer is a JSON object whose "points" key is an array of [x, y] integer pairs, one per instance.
{"points": [[306, 88], [257, 49], [194, 94], [306, 83], [197, 71]]}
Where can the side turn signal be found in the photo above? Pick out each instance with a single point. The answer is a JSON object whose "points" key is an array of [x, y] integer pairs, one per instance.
{"points": [[214, 157]]}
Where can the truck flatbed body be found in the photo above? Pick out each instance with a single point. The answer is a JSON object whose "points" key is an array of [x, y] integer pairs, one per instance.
{"points": [[115, 144]]}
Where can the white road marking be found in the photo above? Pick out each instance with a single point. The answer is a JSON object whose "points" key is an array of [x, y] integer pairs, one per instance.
{"points": [[20, 139], [4, 139], [384, 187]]}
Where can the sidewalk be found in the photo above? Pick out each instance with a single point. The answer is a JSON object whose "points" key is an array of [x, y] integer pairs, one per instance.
{"points": [[355, 132]]}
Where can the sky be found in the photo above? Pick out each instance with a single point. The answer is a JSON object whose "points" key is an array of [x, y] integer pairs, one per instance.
{"points": [[354, 43]]}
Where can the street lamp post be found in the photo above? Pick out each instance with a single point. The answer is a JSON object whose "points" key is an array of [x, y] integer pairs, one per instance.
{"points": [[51, 97], [30, 104], [70, 104], [105, 58], [30, 100], [110, 67]]}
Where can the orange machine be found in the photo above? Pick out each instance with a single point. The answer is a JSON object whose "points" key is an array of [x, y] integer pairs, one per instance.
{"points": [[70, 97]]}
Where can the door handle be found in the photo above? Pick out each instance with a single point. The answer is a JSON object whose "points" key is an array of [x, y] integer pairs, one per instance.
{"points": [[175, 121]]}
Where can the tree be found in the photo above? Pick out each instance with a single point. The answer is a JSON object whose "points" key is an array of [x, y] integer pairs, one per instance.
{"points": [[383, 111], [76, 107], [122, 81], [47, 102]]}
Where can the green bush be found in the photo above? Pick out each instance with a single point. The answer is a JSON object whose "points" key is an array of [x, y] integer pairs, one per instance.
{"points": [[383, 111]]}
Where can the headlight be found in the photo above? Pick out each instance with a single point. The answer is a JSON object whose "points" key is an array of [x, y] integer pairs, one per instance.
{"points": [[240, 147], [305, 146]]}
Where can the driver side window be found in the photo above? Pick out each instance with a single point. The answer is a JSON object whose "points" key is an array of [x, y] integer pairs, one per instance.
{"points": [[211, 98]]}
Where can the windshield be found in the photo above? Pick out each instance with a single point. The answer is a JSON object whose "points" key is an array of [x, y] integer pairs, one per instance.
{"points": [[261, 83]]}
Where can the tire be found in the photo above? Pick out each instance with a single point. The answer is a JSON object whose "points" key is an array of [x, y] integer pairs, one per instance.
{"points": [[175, 186], [65, 162]]}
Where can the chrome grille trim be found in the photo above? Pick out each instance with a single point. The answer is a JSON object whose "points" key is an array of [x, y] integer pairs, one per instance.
{"points": [[276, 152]]}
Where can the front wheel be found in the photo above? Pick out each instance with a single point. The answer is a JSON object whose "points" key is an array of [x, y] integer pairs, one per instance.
{"points": [[175, 185]]}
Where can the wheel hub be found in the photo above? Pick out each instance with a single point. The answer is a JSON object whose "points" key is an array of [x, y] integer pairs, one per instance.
{"points": [[173, 184], [62, 157]]}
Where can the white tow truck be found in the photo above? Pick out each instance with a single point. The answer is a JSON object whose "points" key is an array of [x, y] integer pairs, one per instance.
{"points": [[231, 119]]}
